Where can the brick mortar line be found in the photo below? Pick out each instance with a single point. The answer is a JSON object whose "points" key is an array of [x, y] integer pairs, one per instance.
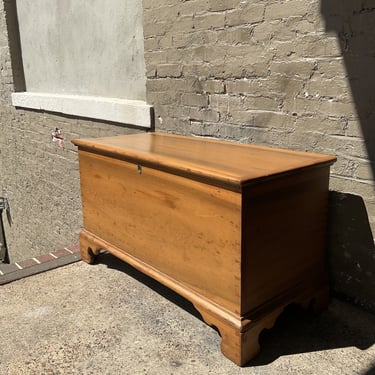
{"points": [[36, 260], [17, 271], [70, 251]]}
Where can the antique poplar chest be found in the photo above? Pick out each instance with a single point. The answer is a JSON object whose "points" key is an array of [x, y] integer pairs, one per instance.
{"points": [[238, 230]]}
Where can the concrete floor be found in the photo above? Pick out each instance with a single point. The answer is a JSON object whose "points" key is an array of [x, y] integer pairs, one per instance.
{"points": [[110, 319]]}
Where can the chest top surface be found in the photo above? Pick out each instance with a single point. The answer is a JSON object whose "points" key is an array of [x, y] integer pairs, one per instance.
{"points": [[217, 162]]}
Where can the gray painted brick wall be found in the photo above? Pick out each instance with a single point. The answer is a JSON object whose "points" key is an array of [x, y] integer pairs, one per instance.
{"points": [[294, 74]]}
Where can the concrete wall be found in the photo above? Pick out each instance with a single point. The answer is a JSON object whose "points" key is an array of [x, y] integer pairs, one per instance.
{"points": [[40, 179], [72, 47], [295, 74]]}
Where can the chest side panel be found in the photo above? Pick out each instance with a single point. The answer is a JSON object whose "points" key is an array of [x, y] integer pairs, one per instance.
{"points": [[284, 237]]}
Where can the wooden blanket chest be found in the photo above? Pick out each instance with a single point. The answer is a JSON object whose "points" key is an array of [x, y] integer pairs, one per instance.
{"points": [[238, 230]]}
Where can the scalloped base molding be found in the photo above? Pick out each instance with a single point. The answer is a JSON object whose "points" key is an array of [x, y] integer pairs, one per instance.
{"points": [[132, 112]]}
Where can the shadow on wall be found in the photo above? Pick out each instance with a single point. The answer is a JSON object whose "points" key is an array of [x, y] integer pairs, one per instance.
{"points": [[353, 22], [352, 250], [14, 45], [371, 371]]}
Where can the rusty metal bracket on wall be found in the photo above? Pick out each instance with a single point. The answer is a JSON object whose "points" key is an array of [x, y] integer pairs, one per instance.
{"points": [[4, 254]]}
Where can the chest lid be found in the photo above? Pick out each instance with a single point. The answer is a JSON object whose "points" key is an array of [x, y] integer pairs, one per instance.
{"points": [[227, 164]]}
